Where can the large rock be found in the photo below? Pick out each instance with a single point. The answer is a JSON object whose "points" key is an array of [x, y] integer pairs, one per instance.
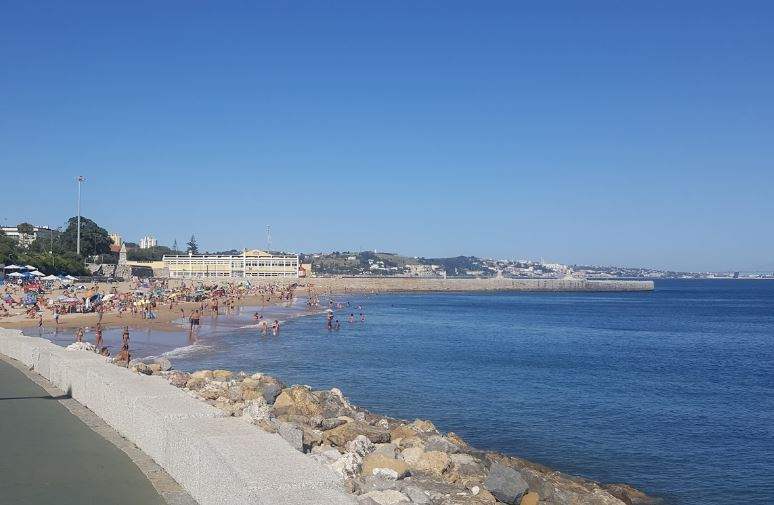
{"points": [[223, 375], [374, 461], [347, 432], [195, 383], [361, 445], [256, 410], [178, 379], [293, 434], [348, 465], [412, 455], [506, 484], [271, 391], [297, 400], [530, 498], [202, 374], [164, 363], [433, 463], [441, 443]]}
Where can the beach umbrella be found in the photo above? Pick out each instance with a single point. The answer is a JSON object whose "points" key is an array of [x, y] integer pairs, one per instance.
{"points": [[70, 277], [29, 267], [15, 274], [12, 267], [38, 273], [50, 278]]}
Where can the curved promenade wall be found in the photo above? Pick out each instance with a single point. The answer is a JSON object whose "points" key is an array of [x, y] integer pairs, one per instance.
{"points": [[218, 460]]}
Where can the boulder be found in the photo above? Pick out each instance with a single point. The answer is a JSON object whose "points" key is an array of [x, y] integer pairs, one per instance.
{"points": [[271, 391], [256, 410], [202, 374], [154, 367], [81, 346], [297, 400], [402, 431], [330, 423], [374, 461], [361, 445], [178, 379], [195, 383], [348, 465], [213, 391], [222, 374], [530, 498], [386, 497], [164, 363], [432, 463], [249, 393], [417, 495], [347, 432], [390, 450], [412, 455], [292, 433], [506, 484], [440, 443], [235, 393], [423, 426]]}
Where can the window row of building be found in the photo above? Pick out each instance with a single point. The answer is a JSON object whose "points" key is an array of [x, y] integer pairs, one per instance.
{"points": [[249, 264]]}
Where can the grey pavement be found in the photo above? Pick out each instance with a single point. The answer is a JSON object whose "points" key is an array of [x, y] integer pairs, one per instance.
{"points": [[49, 456]]}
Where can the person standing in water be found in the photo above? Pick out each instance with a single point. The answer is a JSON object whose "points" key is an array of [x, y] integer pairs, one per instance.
{"points": [[275, 327], [79, 335], [98, 336]]}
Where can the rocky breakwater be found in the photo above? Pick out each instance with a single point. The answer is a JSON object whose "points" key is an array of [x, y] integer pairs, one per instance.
{"points": [[387, 461]]}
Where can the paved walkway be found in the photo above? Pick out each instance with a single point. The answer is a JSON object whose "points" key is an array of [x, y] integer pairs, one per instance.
{"points": [[49, 456]]}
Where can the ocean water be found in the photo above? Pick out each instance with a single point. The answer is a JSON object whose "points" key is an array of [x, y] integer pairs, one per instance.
{"points": [[671, 391]]}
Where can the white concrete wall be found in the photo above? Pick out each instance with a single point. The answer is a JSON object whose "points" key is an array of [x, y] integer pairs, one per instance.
{"points": [[218, 460]]}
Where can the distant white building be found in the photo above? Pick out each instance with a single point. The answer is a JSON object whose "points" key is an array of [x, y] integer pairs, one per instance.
{"points": [[253, 263], [25, 239], [116, 239], [147, 242]]}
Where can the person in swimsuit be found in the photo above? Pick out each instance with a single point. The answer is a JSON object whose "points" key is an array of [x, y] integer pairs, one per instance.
{"points": [[275, 327], [98, 335]]}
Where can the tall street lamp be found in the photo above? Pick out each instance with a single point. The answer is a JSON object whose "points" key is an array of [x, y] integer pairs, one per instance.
{"points": [[80, 180]]}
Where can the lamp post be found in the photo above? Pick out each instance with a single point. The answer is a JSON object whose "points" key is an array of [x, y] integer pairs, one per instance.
{"points": [[80, 180]]}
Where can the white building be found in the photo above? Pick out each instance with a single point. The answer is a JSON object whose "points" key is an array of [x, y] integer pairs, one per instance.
{"points": [[249, 264], [116, 239], [25, 239], [147, 242]]}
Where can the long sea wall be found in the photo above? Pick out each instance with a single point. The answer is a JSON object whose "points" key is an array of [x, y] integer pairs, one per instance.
{"points": [[218, 460], [366, 284]]}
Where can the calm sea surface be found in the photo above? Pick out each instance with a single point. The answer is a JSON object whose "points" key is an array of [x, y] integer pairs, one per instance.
{"points": [[671, 391]]}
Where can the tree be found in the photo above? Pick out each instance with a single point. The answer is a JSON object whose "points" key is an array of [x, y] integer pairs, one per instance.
{"points": [[193, 248], [94, 239], [25, 229]]}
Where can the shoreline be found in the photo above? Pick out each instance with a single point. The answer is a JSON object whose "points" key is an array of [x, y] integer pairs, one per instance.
{"points": [[325, 426]]}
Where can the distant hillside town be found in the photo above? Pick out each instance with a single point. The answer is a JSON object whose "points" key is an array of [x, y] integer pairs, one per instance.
{"points": [[53, 251]]}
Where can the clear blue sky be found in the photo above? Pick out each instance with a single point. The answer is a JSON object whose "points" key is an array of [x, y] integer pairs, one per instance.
{"points": [[589, 132]]}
